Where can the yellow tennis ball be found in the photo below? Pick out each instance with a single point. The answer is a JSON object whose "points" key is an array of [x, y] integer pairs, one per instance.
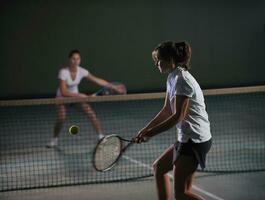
{"points": [[73, 130]]}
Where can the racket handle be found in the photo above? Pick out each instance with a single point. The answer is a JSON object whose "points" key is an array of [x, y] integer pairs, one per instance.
{"points": [[145, 139], [126, 140], [132, 141]]}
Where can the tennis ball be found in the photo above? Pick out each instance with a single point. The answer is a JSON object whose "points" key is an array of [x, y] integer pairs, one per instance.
{"points": [[73, 130]]}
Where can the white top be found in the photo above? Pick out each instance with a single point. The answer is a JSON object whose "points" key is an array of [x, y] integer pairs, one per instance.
{"points": [[72, 85], [196, 125]]}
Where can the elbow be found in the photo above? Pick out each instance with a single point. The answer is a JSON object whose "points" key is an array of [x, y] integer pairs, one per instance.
{"points": [[177, 117], [167, 111]]}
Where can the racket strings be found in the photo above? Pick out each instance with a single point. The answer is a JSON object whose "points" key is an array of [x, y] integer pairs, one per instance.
{"points": [[107, 153]]}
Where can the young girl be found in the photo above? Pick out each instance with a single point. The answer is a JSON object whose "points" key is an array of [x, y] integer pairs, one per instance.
{"points": [[69, 79], [184, 107]]}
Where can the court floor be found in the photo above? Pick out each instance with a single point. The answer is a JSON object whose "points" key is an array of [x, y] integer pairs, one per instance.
{"points": [[211, 186]]}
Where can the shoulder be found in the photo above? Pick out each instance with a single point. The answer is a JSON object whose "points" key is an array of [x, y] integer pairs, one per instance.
{"points": [[83, 71], [64, 70], [63, 73], [185, 77], [81, 68], [185, 83]]}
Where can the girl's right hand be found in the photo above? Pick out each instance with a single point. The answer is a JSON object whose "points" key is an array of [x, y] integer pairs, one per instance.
{"points": [[141, 136]]}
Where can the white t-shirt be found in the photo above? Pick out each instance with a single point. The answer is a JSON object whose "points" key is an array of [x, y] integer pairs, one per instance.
{"points": [[196, 125], [72, 85]]}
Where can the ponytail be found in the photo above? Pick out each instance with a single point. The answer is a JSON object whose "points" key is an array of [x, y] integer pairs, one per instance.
{"points": [[180, 52]]}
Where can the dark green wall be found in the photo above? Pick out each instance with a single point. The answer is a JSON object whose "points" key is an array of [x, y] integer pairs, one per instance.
{"points": [[116, 40]]}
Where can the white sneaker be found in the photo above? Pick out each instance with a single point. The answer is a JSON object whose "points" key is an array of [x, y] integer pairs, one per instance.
{"points": [[100, 136], [53, 142]]}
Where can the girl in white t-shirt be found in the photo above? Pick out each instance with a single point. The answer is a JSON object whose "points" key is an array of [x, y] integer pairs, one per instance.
{"points": [[69, 79], [184, 108]]}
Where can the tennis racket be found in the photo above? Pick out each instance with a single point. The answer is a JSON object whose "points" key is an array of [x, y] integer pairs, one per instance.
{"points": [[108, 151]]}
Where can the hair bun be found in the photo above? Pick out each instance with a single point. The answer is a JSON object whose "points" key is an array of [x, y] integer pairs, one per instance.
{"points": [[181, 50]]}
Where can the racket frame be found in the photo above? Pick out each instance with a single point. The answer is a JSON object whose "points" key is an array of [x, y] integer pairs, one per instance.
{"points": [[123, 148]]}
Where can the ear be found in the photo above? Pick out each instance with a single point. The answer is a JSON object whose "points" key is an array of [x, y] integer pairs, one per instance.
{"points": [[172, 63], [154, 55]]}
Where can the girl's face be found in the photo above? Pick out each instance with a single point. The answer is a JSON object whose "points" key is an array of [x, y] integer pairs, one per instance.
{"points": [[75, 60], [164, 66]]}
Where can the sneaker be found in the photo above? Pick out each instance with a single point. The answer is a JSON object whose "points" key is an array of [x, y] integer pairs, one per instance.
{"points": [[52, 143]]}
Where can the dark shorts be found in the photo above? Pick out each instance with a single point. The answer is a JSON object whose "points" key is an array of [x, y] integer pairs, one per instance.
{"points": [[197, 150]]}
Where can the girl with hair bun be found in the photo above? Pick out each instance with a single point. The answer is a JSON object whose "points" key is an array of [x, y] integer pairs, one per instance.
{"points": [[184, 108]]}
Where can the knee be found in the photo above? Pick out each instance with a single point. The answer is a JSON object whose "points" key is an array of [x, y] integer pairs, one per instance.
{"points": [[91, 114], [61, 117], [89, 111], [155, 165], [157, 168]]}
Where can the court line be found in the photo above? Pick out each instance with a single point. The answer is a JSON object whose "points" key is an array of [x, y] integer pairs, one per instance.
{"points": [[207, 193], [171, 177]]}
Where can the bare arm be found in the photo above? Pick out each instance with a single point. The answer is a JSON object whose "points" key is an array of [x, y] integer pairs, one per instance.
{"points": [[181, 103], [103, 83], [164, 113], [99, 81], [65, 92]]}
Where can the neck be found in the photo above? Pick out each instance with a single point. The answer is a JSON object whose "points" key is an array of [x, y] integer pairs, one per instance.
{"points": [[173, 68], [73, 68]]}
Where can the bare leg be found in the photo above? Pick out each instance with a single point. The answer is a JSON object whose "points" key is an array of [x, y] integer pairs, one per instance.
{"points": [[57, 127], [189, 182], [86, 108], [184, 170], [161, 167], [60, 119]]}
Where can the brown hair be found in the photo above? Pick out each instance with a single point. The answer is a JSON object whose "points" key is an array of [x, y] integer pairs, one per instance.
{"points": [[180, 52], [74, 51]]}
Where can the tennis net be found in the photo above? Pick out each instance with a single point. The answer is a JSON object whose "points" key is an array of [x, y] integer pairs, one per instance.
{"points": [[237, 125]]}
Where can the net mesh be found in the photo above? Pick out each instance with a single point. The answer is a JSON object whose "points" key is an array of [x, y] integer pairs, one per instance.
{"points": [[237, 125]]}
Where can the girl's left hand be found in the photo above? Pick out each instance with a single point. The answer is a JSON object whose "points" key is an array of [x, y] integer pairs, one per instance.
{"points": [[118, 88], [140, 137]]}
